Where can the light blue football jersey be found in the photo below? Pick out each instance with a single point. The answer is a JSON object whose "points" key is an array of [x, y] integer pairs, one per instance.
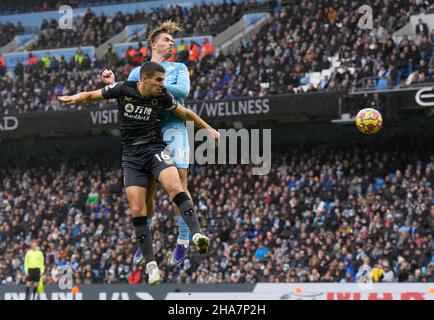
{"points": [[177, 82]]}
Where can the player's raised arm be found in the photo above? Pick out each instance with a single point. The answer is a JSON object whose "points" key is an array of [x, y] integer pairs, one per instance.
{"points": [[108, 77], [82, 97], [188, 115]]}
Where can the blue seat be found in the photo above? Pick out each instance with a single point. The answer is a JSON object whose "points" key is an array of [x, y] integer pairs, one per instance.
{"points": [[304, 80], [381, 84]]}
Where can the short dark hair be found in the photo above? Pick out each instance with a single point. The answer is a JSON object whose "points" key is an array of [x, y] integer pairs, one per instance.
{"points": [[149, 68]]}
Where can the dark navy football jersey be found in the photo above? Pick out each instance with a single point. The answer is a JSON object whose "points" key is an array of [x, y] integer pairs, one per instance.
{"points": [[139, 116]]}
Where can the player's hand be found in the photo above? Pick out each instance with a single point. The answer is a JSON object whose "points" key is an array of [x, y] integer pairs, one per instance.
{"points": [[107, 76], [215, 135], [67, 99]]}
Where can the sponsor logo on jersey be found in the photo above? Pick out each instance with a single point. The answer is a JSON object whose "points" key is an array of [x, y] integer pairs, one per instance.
{"points": [[129, 107], [137, 112]]}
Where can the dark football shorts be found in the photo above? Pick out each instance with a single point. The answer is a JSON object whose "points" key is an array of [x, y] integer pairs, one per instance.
{"points": [[34, 274], [144, 162]]}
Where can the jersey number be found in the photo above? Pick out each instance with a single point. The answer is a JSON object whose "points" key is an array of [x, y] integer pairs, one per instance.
{"points": [[163, 157]]}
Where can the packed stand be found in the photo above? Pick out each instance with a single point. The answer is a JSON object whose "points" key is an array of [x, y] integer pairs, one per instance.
{"points": [[312, 37], [89, 30], [8, 31], [23, 6], [92, 29], [298, 41], [37, 83], [323, 214], [26, 91], [289, 51], [288, 48]]}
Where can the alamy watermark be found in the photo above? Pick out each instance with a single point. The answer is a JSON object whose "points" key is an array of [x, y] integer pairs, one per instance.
{"points": [[66, 18], [365, 281], [241, 146], [366, 21], [67, 277]]}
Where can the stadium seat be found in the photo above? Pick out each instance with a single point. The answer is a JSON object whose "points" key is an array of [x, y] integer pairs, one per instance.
{"points": [[381, 84], [315, 78], [326, 72], [304, 79]]}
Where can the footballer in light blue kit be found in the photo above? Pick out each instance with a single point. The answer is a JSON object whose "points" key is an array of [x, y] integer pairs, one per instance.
{"points": [[177, 82]]}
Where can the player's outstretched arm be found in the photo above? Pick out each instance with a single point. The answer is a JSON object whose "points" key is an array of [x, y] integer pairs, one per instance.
{"points": [[82, 97], [188, 115]]}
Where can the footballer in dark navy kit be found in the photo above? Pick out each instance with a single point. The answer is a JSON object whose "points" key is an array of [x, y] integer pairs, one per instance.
{"points": [[140, 104], [139, 126]]}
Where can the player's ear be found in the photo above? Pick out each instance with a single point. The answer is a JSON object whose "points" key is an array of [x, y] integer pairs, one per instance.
{"points": [[154, 44]]}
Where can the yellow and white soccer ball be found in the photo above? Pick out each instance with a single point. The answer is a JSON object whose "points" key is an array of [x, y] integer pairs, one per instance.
{"points": [[369, 121]]}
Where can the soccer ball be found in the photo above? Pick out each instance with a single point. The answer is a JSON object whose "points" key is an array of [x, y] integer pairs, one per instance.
{"points": [[369, 121]]}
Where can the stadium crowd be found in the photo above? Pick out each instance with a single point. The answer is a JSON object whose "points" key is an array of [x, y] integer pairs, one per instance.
{"points": [[8, 31], [323, 214], [312, 37], [92, 29], [299, 39], [22, 6]]}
